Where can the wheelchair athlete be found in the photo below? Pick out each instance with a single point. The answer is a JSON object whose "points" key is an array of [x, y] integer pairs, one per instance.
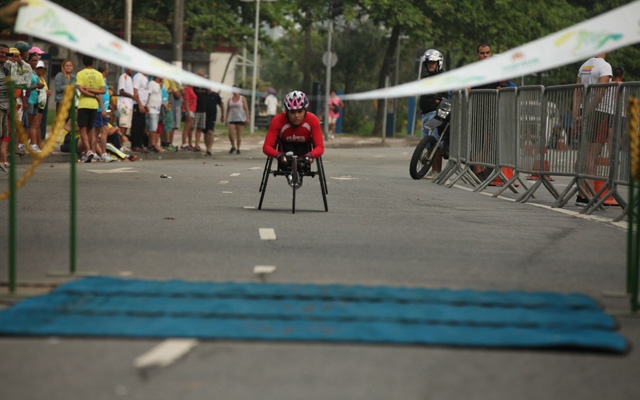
{"points": [[294, 130]]}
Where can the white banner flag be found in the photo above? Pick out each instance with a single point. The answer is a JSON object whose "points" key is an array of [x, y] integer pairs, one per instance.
{"points": [[55, 24], [609, 31]]}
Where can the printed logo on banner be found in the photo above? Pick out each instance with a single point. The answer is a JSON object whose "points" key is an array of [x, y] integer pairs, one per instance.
{"points": [[520, 61], [586, 42], [48, 23], [114, 48]]}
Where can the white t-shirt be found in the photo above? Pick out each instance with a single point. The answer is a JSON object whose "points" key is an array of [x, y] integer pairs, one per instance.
{"points": [[271, 102], [125, 82], [155, 97], [141, 82], [590, 73]]}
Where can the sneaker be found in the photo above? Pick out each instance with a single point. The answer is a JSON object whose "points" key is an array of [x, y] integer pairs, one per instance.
{"points": [[88, 157], [132, 157], [35, 148], [581, 201], [152, 149], [232, 150], [238, 151], [2, 167], [107, 158], [208, 152], [431, 174], [186, 147], [169, 147], [197, 148]]}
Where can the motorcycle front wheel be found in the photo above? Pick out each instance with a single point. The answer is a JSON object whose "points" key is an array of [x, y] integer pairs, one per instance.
{"points": [[422, 157]]}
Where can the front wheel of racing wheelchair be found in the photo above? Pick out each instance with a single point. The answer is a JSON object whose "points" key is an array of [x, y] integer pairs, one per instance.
{"points": [[296, 168]]}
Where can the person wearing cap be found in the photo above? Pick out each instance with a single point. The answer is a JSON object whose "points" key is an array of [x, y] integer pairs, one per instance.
{"points": [[37, 97], [36, 50], [13, 57], [34, 115], [21, 74], [23, 48]]}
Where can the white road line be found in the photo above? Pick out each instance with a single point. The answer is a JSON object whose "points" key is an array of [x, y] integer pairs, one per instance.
{"points": [[344, 178], [235, 174], [264, 269], [223, 182], [267, 234], [255, 168], [122, 170], [226, 192], [165, 353], [609, 221]]}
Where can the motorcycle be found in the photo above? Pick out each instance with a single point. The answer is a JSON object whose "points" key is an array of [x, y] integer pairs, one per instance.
{"points": [[425, 151]]}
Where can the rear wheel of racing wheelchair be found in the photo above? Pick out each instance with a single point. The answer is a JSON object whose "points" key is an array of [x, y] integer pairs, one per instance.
{"points": [[422, 157]]}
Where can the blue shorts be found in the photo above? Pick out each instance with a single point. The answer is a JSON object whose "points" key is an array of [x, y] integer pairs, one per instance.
{"points": [[100, 120]]}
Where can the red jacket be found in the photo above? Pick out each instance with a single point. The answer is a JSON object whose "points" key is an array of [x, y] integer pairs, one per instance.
{"points": [[281, 131]]}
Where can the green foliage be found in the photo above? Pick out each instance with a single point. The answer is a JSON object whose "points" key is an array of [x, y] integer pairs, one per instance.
{"points": [[364, 35]]}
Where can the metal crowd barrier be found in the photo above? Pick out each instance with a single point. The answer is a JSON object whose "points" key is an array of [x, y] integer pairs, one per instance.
{"points": [[457, 163], [576, 131]]}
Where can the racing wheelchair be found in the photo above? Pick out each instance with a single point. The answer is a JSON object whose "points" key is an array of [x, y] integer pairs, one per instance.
{"points": [[295, 169]]}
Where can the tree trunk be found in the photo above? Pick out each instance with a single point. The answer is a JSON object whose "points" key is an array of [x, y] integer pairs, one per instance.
{"points": [[306, 68], [391, 49]]}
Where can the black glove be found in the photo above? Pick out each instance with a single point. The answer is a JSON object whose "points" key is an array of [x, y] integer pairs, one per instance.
{"points": [[308, 156], [281, 157]]}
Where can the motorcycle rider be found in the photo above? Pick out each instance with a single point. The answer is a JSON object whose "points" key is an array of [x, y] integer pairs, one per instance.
{"points": [[432, 65]]}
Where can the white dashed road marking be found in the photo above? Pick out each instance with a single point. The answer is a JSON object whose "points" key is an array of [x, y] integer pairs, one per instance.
{"points": [[165, 353], [267, 234], [122, 170], [223, 182], [235, 174]]}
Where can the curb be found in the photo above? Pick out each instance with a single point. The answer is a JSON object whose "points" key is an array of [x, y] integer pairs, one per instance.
{"points": [[57, 157]]}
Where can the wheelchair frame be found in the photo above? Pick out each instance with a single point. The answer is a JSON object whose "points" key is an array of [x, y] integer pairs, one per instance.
{"points": [[294, 178]]}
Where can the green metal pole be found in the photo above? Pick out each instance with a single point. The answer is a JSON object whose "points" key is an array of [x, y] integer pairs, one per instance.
{"points": [[72, 220], [12, 194]]}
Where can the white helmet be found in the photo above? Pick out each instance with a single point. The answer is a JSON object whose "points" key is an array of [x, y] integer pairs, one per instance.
{"points": [[432, 55]]}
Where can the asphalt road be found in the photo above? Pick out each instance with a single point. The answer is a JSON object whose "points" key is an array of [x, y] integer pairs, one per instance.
{"points": [[382, 227]]}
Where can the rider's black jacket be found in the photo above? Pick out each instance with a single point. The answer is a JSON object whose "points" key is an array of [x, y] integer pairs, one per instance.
{"points": [[428, 101]]}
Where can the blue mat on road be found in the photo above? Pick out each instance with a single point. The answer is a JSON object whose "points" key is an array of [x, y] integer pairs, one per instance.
{"points": [[112, 307]]}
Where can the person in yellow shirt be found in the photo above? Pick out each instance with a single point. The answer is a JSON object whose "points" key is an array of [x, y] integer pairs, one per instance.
{"points": [[90, 83]]}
